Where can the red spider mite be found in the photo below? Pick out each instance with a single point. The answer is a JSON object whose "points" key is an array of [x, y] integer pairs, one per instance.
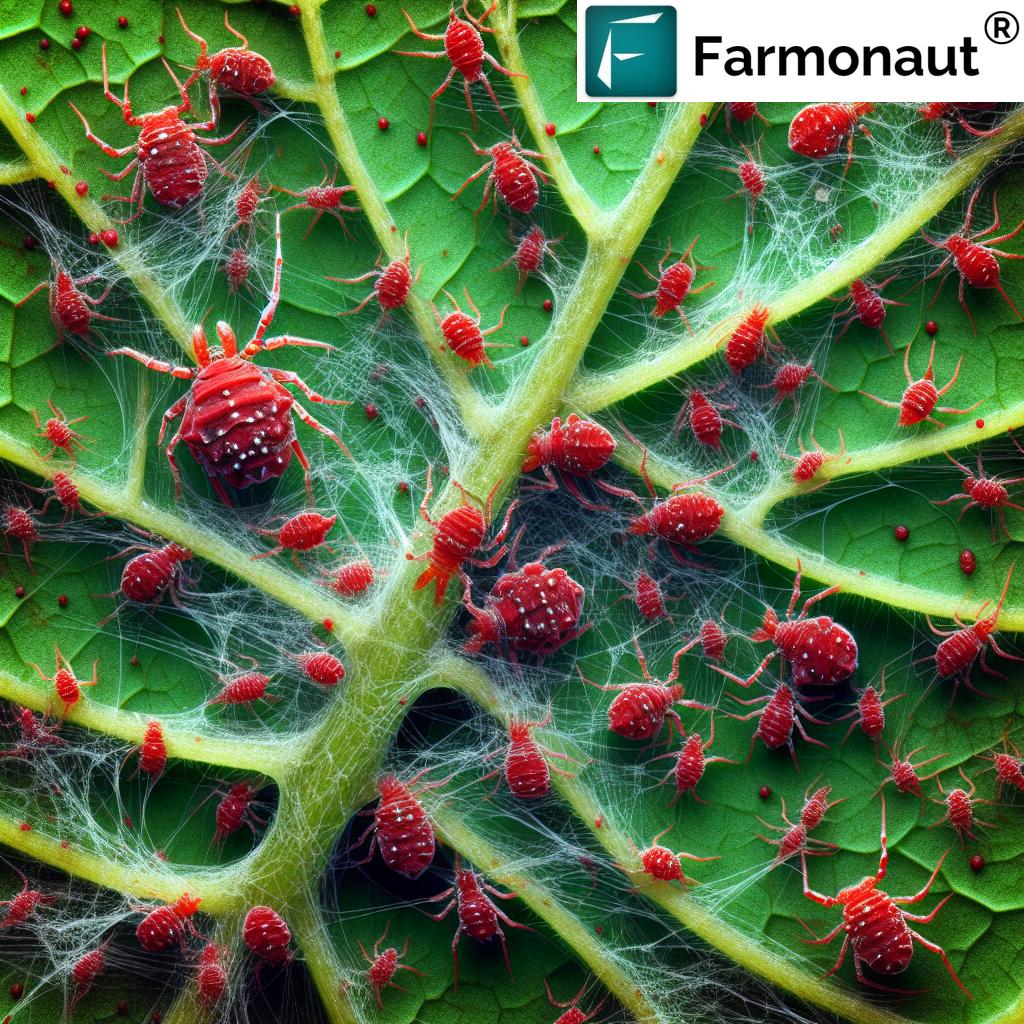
{"points": [[640, 709], [1008, 767], [464, 48], [324, 198], [65, 492], [479, 918], [869, 713], [458, 538], [243, 688], [673, 282], [691, 761], [254, 443], [148, 576], [72, 311], [903, 773], [463, 335], [247, 202], [400, 827], [23, 904], [265, 934], [662, 864], [167, 157], [704, 419], [985, 492], [796, 837], [712, 640], [529, 254], [959, 808], [947, 113], [350, 579], [35, 734], [867, 307], [385, 964], [65, 685], [235, 810], [956, 654], [752, 180], [526, 769], [322, 667], [535, 610], [747, 342], [976, 262], [236, 269], [741, 113], [920, 396], [20, 525], [509, 173], [153, 751], [84, 972], [575, 449], [573, 1014], [236, 68], [684, 518], [819, 650], [876, 926], [162, 927], [646, 593], [303, 532], [806, 466], [781, 714], [211, 975], [820, 130], [57, 430], [968, 563], [790, 378], [391, 284]]}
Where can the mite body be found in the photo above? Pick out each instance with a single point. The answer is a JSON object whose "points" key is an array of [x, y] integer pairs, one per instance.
{"points": [[391, 283], [23, 904], [350, 579], [511, 175], [704, 418], [525, 768], [664, 865], [163, 927], [211, 975], [235, 809], [243, 688], [72, 310], [21, 526], [947, 113], [266, 935], [463, 335], [303, 532], [691, 762], [236, 418], [529, 254], [673, 283], [820, 130], [384, 965], [65, 685], [985, 492], [867, 307], [809, 461], [323, 198]]}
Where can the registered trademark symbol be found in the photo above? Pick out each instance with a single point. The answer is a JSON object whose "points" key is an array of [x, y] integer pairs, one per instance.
{"points": [[1001, 27]]}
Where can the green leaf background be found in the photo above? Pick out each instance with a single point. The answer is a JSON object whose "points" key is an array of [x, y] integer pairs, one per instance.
{"points": [[626, 180]]}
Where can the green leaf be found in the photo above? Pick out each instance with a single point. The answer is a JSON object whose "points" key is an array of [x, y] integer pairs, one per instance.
{"points": [[84, 826]]}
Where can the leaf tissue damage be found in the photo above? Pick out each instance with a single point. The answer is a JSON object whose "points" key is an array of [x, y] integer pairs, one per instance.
{"points": [[602, 601]]}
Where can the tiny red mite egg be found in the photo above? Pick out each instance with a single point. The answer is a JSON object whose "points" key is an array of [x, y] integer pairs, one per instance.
{"points": [[421, 138], [94, 239], [76, 43], [83, 31], [703, 120], [25, 827], [372, 412], [122, 22], [651, 104], [17, 991], [550, 129], [931, 328], [294, 10], [337, 54], [548, 305], [371, 10], [901, 533], [967, 562], [383, 124], [44, 44], [597, 151], [109, 238], [63, 600], [67, 8], [82, 187], [754, 456], [30, 117], [977, 862], [135, 661], [524, 341], [980, 424], [764, 792], [19, 592], [403, 487], [24, 90], [160, 40], [329, 625]]}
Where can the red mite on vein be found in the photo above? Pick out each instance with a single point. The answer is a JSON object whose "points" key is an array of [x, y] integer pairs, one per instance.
{"points": [[65, 685], [876, 926], [391, 284], [265, 934], [673, 282], [458, 537], [304, 532], [464, 47], [167, 153], [705, 419], [662, 864], [324, 198], [525, 769], [820, 130], [162, 927], [72, 311], [919, 398], [350, 579], [509, 173], [478, 916], [747, 342], [236, 68], [211, 975], [807, 464], [322, 667], [237, 417], [463, 335]]}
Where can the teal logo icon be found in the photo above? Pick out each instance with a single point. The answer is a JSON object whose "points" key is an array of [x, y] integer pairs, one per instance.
{"points": [[630, 51]]}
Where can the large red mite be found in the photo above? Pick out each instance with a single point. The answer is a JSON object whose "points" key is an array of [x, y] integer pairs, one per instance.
{"points": [[167, 155], [876, 925], [237, 417]]}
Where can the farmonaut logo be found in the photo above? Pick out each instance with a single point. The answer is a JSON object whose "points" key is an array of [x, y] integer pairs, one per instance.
{"points": [[629, 51]]}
